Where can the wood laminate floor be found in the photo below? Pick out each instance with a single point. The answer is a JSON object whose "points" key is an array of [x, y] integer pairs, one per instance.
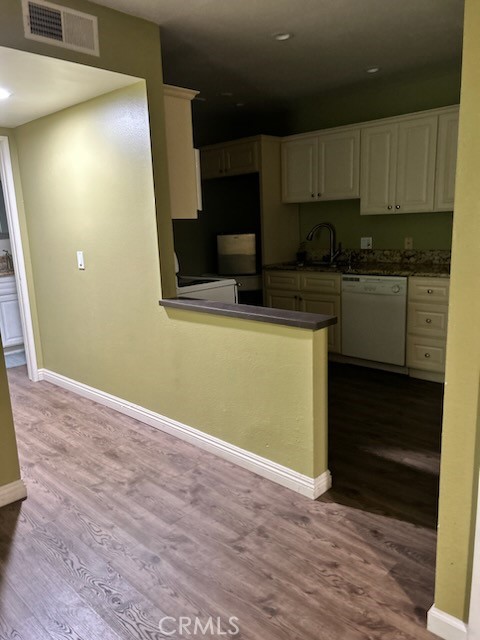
{"points": [[125, 525]]}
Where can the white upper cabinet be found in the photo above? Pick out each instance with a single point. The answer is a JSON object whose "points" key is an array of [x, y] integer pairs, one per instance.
{"points": [[417, 150], [182, 170], [398, 166], [447, 161], [378, 168], [321, 167], [299, 170], [229, 159]]}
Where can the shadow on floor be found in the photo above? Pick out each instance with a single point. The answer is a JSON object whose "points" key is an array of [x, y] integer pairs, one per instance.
{"points": [[384, 443]]}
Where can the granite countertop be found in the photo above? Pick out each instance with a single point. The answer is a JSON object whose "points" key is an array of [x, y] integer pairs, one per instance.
{"points": [[425, 270], [6, 273]]}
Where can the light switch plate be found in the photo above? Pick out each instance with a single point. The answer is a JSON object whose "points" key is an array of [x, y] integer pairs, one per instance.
{"points": [[408, 242], [366, 243], [80, 261]]}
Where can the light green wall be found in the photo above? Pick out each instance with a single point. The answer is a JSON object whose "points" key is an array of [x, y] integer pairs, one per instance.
{"points": [[87, 184], [428, 230], [9, 468], [460, 441], [378, 97]]}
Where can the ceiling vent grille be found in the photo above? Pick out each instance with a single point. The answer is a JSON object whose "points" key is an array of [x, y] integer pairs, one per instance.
{"points": [[51, 23]]}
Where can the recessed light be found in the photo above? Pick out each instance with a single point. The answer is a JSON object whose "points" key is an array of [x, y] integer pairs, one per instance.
{"points": [[281, 37], [4, 93], [200, 99], [226, 94], [240, 104], [373, 70]]}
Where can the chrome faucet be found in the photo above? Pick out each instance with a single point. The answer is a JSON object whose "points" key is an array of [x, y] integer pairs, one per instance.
{"points": [[334, 251]]}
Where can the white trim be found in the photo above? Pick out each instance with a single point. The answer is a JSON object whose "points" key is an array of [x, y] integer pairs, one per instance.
{"points": [[474, 618], [309, 487], [12, 492], [6, 175], [446, 626]]}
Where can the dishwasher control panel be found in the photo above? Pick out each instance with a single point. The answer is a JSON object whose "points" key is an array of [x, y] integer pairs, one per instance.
{"points": [[375, 285]]}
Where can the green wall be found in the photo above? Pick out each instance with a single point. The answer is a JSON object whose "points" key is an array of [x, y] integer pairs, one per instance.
{"points": [[9, 468], [461, 432], [428, 230], [378, 97], [87, 184]]}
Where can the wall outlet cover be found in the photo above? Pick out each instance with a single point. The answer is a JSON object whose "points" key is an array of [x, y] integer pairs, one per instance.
{"points": [[408, 242], [366, 243]]}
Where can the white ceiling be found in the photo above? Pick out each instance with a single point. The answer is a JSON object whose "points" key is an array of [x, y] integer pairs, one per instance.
{"points": [[42, 85], [220, 46]]}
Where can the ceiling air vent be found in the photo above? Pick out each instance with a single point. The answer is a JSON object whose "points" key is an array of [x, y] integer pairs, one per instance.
{"points": [[51, 23]]}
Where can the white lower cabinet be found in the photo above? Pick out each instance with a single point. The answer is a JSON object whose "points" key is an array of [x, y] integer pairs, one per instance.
{"points": [[308, 291], [427, 325], [10, 322]]}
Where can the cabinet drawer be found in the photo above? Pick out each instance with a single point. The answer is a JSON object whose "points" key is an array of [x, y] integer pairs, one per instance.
{"points": [[429, 289], [286, 280], [425, 353], [427, 319], [321, 282], [7, 285]]}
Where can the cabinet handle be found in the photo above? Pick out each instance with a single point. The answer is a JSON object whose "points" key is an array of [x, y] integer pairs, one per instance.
{"points": [[389, 207], [313, 195], [430, 291], [428, 321], [427, 355], [319, 195], [397, 206]]}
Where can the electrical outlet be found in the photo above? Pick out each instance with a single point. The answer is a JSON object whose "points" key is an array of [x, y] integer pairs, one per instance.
{"points": [[366, 243], [80, 261], [408, 242]]}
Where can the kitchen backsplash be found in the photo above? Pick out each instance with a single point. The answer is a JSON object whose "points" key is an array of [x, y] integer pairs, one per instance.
{"points": [[5, 264], [396, 256]]}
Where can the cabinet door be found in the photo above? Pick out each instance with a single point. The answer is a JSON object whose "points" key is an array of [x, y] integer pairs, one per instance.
{"points": [[278, 299], [212, 163], [327, 305], [180, 155], [241, 158], [417, 149], [10, 323], [446, 161], [299, 170], [339, 166], [378, 169]]}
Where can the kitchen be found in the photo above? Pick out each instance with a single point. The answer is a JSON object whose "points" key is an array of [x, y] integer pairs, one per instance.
{"points": [[385, 190]]}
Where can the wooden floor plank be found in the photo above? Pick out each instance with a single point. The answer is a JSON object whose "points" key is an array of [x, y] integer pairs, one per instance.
{"points": [[125, 524]]}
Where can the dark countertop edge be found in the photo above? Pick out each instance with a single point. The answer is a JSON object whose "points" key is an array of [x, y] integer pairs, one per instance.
{"points": [[419, 271], [4, 274], [300, 320]]}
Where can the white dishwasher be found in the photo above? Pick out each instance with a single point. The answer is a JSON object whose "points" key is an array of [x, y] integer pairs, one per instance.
{"points": [[374, 313]]}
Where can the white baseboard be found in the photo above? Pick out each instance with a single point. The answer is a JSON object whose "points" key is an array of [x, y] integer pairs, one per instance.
{"points": [[309, 487], [446, 626], [12, 492]]}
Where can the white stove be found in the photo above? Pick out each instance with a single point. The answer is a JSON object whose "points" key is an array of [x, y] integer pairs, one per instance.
{"points": [[206, 288], [216, 289]]}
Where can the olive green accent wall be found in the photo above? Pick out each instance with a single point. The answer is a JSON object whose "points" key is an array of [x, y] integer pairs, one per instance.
{"points": [[428, 230], [378, 97], [9, 467], [460, 441], [87, 184]]}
